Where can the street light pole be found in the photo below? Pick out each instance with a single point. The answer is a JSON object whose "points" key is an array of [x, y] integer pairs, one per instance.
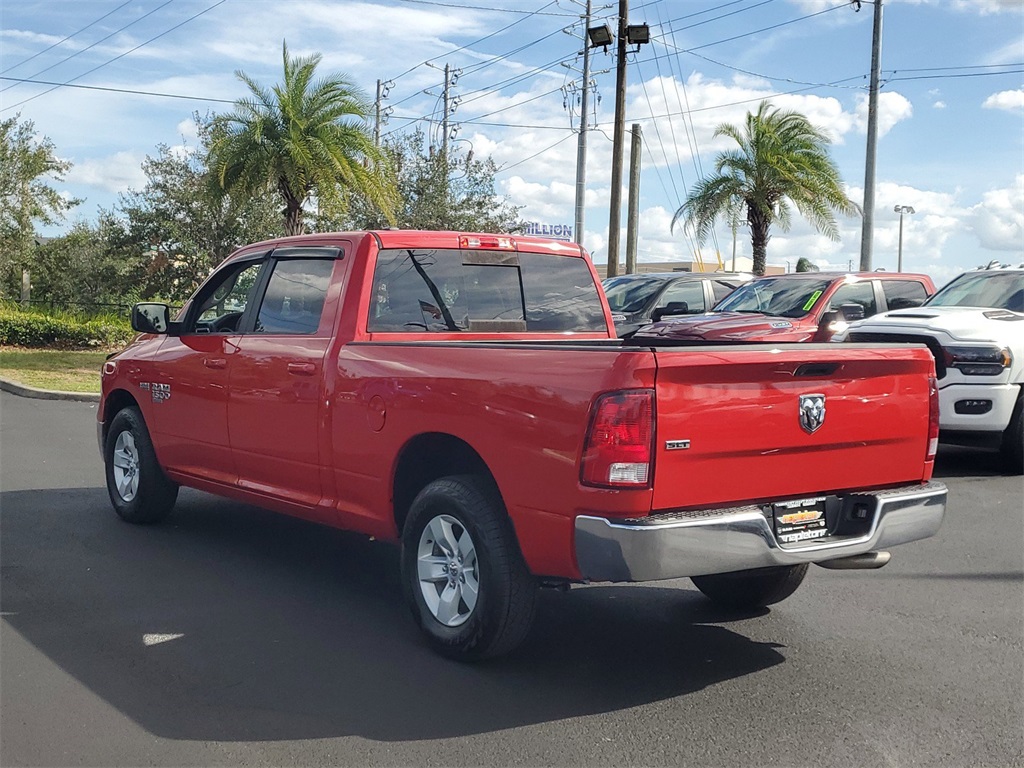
{"points": [[581, 142], [901, 209]]}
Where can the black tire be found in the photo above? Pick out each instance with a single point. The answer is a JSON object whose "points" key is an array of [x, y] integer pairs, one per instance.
{"points": [[1012, 449], [755, 588], [151, 498], [506, 592]]}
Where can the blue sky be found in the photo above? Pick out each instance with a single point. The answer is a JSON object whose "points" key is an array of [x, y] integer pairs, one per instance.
{"points": [[951, 125]]}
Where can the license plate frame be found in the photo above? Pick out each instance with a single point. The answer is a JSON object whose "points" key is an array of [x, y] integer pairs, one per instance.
{"points": [[800, 521]]}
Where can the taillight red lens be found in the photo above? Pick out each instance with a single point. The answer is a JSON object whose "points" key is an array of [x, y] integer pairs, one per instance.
{"points": [[618, 451], [933, 418]]}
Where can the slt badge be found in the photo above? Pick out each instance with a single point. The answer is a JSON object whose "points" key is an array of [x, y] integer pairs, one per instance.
{"points": [[812, 412]]}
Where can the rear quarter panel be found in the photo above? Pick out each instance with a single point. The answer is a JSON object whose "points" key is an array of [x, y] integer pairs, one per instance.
{"points": [[523, 409]]}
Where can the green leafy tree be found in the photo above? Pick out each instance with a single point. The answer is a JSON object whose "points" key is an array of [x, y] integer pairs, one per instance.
{"points": [[804, 264], [438, 191], [28, 165], [92, 268], [782, 163], [181, 226], [305, 140]]}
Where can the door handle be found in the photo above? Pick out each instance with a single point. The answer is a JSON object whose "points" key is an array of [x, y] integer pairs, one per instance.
{"points": [[302, 369], [215, 362]]}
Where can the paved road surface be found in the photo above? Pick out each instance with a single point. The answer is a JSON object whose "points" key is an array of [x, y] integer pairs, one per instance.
{"points": [[233, 636]]}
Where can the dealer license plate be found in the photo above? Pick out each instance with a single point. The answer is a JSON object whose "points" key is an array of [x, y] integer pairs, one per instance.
{"points": [[799, 521]]}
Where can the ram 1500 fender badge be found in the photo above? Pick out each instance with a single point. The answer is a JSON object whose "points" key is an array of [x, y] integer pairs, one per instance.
{"points": [[812, 412], [159, 392]]}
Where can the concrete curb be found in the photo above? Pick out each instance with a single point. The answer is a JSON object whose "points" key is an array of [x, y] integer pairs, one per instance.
{"points": [[6, 385]]}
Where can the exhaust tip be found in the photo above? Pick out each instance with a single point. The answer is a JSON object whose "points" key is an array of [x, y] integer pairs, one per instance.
{"points": [[867, 560]]}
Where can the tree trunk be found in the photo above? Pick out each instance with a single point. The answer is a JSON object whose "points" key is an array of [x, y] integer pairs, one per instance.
{"points": [[293, 224], [758, 237]]}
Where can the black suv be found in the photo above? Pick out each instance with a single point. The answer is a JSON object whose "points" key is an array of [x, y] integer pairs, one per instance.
{"points": [[640, 299]]}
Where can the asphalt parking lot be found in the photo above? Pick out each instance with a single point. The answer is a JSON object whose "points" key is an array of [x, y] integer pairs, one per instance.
{"points": [[233, 636]]}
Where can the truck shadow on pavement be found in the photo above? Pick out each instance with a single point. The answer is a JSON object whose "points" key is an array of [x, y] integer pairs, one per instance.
{"points": [[231, 623]]}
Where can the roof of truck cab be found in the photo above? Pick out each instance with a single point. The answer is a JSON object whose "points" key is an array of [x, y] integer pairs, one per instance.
{"points": [[417, 238], [851, 275]]}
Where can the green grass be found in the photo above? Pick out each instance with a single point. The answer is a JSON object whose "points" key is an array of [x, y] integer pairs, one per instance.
{"points": [[66, 371]]}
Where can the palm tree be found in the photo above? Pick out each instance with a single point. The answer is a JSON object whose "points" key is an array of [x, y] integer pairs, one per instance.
{"points": [[303, 139], [782, 161]]}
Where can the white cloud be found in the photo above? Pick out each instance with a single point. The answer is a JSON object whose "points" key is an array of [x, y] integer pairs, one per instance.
{"points": [[893, 108], [998, 220], [939, 105], [1010, 101], [115, 173]]}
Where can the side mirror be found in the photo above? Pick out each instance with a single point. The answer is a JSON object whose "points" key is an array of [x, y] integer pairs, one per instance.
{"points": [[151, 317], [851, 312], [672, 308]]}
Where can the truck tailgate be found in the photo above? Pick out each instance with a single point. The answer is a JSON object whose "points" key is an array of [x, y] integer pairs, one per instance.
{"points": [[729, 423]]}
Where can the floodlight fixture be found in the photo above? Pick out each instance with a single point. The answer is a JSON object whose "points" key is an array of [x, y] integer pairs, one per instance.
{"points": [[600, 36], [638, 34]]}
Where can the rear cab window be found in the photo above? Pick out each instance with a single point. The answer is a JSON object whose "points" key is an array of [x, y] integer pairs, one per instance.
{"points": [[479, 291], [904, 294]]}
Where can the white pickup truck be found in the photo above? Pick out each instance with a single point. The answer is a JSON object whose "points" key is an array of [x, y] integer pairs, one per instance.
{"points": [[974, 327]]}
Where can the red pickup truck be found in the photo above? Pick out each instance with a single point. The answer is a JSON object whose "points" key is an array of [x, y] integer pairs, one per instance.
{"points": [[465, 396], [800, 306]]}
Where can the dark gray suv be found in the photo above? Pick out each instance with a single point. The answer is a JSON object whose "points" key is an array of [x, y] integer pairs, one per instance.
{"points": [[640, 299]]}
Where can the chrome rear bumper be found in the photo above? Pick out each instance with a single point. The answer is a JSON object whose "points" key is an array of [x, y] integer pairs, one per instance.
{"points": [[695, 543]]}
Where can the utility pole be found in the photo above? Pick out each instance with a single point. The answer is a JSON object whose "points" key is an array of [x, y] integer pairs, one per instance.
{"points": [[381, 114], [867, 230], [620, 125], [633, 209], [376, 116], [581, 144], [444, 120]]}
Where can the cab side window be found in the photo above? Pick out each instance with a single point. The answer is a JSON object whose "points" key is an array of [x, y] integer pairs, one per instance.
{"points": [[862, 293], [690, 291], [903, 294], [223, 301], [721, 289], [294, 299]]}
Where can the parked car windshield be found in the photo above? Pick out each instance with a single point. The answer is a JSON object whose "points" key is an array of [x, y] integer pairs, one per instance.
{"points": [[776, 297], [628, 294], [996, 290]]}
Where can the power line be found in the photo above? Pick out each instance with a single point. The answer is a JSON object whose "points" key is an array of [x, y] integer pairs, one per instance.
{"points": [[485, 37], [537, 154], [763, 29], [716, 18], [119, 56], [130, 91], [953, 77], [93, 45], [484, 8], [60, 42]]}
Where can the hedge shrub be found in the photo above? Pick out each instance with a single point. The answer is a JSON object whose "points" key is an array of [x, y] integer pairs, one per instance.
{"points": [[35, 329]]}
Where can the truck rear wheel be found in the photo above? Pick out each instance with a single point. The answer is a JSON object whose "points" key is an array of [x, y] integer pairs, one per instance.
{"points": [[138, 488], [1013, 441], [463, 575], [755, 588]]}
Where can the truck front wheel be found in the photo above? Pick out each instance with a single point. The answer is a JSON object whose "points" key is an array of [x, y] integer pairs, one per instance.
{"points": [[463, 575], [1013, 441], [755, 588], [138, 488]]}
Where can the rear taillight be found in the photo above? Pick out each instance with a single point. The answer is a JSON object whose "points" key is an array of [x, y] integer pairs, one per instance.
{"points": [[933, 418], [618, 452]]}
